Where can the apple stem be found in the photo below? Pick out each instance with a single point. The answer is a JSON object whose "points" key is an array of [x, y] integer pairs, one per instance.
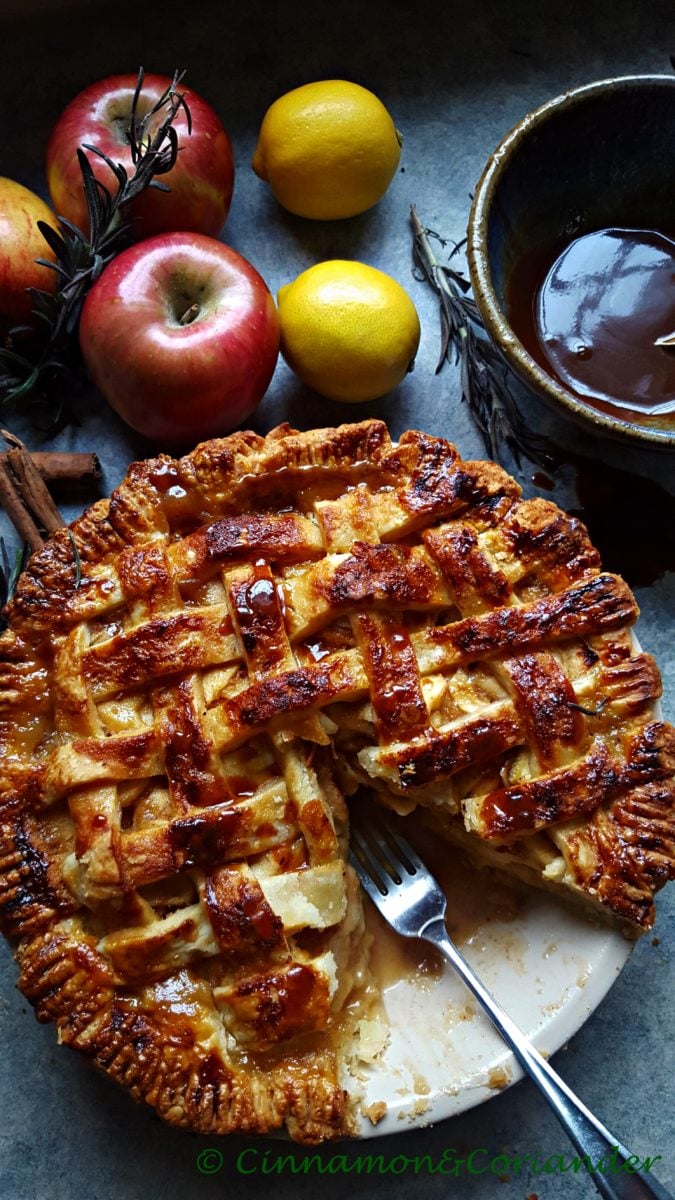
{"points": [[190, 314]]}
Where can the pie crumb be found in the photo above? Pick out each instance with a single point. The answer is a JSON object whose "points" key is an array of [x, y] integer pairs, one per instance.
{"points": [[375, 1111], [420, 1107], [498, 1077], [373, 1038]]}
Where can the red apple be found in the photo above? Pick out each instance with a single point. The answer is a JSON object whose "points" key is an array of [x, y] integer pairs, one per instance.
{"points": [[201, 181], [20, 244], [181, 335]]}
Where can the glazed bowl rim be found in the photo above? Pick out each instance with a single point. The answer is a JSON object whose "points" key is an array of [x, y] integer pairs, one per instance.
{"points": [[555, 394]]}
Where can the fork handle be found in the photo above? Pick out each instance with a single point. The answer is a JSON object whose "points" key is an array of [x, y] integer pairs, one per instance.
{"points": [[588, 1135]]}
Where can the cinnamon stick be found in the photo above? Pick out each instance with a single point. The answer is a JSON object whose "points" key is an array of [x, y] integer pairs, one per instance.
{"points": [[66, 468], [24, 494], [59, 466], [16, 510], [33, 490]]}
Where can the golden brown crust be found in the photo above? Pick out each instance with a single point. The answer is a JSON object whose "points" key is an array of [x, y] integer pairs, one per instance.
{"points": [[170, 826], [155, 1055]]}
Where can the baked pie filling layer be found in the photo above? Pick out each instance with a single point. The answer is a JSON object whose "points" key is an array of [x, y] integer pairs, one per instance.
{"points": [[197, 674]]}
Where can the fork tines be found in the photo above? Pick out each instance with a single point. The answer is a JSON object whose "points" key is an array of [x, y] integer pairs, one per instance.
{"points": [[380, 855]]}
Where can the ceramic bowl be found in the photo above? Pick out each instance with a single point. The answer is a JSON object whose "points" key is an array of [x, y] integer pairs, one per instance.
{"points": [[599, 156]]}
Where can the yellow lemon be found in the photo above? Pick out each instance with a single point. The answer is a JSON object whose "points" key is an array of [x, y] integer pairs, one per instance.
{"points": [[348, 330], [327, 150]]}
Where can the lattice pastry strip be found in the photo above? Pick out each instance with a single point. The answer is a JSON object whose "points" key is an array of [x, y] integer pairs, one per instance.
{"points": [[259, 620], [93, 870], [220, 832], [601, 601], [100, 876], [543, 695], [387, 653], [273, 905], [284, 537]]}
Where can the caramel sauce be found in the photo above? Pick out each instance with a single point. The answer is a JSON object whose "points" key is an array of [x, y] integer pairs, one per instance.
{"points": [[475, 901], [258, 601], [241, 917], [591, 314], [394, 959], [212, 1071], [296, 987], [630, 519], [336, 637], [543, 481], [241, 786], [317, 649], [183, 508], [164, 476], [395, 685], [203, 840]]}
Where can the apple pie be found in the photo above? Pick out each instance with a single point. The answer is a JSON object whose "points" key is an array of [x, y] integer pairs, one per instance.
{"points": [[198, 671]]}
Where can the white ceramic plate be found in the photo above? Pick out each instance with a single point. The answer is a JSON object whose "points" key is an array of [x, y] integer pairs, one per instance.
{"points": [[547, 965]]}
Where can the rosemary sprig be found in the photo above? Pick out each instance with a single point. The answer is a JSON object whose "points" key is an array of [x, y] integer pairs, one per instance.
{"points": [[9, 575], [80, 256], [76, 559], [590, 712], [485, 378]]}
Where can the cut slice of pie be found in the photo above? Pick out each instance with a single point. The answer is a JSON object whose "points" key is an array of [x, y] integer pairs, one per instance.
{"points": [[197, 672]]}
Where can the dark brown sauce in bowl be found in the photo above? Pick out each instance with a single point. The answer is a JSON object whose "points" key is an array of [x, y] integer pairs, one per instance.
{"points": [[592, 317]]}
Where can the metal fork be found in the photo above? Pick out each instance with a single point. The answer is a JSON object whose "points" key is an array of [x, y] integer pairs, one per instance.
{"points": [[413, 903]]}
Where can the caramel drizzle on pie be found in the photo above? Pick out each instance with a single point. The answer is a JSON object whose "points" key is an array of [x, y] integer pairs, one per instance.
{"points": [[255, 622]]}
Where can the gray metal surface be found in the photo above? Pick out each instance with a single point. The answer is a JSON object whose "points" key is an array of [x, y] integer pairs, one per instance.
{"points": [[456, 77]]}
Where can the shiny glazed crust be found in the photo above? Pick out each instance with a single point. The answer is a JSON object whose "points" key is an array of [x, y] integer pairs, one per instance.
{"points": [[178, 675]]}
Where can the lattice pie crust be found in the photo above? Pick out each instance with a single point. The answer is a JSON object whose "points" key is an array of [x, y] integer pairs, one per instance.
{"points": [[249, 632]]}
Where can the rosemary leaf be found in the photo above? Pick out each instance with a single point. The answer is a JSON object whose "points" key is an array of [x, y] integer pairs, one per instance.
{"points": [[9, 575], [590, 712], [484, 375], [4, 573], [77, 560], [80, 258], [53, 239]]}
